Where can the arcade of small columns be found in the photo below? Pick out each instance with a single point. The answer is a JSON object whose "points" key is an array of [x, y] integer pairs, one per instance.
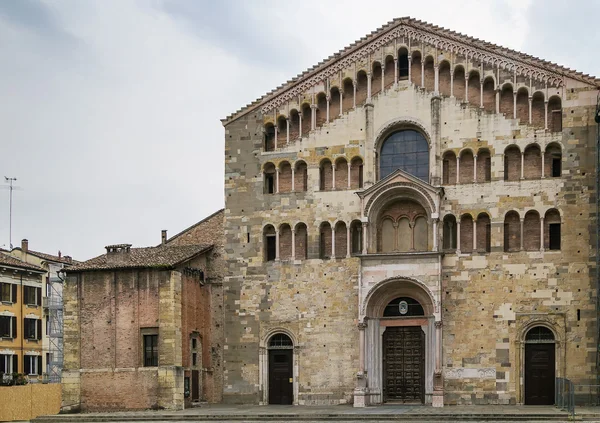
{"points": [[526, 103]]}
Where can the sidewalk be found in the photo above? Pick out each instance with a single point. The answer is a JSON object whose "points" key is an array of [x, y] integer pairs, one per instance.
{"points": [[214, 413]]}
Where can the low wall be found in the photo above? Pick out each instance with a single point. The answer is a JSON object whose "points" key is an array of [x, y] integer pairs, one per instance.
{"points": [[29, 401]]}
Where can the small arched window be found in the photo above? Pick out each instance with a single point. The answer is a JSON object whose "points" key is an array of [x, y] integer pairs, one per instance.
{"points": [[539, 333], [407, 150], [280, 341]]}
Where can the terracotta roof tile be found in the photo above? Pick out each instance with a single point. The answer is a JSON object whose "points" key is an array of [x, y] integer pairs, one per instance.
{"points": [[8, 260], [161, 256]]}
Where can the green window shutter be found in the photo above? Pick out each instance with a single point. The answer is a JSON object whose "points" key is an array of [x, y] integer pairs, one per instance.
{"points": [[39, 296], [39, 329], [14, 327], [27, 365], [15, 368], [39, 366], [14, 293]]}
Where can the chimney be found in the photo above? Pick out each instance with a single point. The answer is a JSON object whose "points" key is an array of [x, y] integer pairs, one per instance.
{"points": [[24, 246], [163, 237], [117, 254], [59, 254]]}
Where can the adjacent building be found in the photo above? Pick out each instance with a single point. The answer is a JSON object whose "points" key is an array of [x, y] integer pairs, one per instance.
{"points": [[52, 305], [412, 220], [21, 318], [143, 326]]}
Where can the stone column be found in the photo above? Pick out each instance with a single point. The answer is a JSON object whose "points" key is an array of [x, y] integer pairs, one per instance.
{"points": [[354, 95], [369, 75], [277, 244], [522, 165], [438, 382], [277, 181], [422, 72], [466, 87], [300, 124], [514, 105], [546, 114], [287, 134], [543, 164], [475, 168], [481, 91], [395, 73], [474, 235], [458, 235], [364, 237], [457, 169], [313, 117], [451, 83], [276, 132], [382, 76], [349, 170], [360, 397], [522, 223], [348, 240], [542, 234], [435, 234], [293, 243], [436, 84], [436, 131], [341, 100], [409, 69], [530, 101], [361, 347], [497, 100], [327, 116], [333, 176], [293, 179], [333, 242]]}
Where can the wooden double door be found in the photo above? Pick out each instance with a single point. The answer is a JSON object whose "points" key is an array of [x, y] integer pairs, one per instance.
{"points": [[539, 374], [404, 365], [281, 376]]}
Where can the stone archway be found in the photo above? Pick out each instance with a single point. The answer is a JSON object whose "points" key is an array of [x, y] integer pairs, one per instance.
{"points": [[401, 329]]}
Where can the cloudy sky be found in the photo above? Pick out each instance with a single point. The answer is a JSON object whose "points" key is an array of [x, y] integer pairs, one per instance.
{"points": [[110, 109]]}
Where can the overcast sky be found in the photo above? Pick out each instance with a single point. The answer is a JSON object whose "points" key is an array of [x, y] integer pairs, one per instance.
{"points": [[110, 109]]}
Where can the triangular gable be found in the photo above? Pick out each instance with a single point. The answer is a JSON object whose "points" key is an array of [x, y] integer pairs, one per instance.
{"points": [[400, 175]]}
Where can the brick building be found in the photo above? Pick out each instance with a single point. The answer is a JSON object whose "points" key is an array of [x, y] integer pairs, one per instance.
{"points": [[143, 325], [412, 219]]}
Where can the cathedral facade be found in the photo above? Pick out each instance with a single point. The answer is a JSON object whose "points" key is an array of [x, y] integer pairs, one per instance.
{"points": [[412, 220]]}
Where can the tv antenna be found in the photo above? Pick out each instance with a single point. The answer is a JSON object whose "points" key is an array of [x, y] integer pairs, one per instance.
{"points": [[10, 187]]}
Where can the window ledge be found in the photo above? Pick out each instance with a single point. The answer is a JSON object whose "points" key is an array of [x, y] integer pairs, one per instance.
{"points": [[7, 303], [4, 338]]}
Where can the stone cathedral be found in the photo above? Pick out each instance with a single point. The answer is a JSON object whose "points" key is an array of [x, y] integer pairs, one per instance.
{"points": [[412, 220]]}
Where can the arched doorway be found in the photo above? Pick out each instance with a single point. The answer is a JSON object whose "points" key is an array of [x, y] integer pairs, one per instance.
{"points": [[403, 354], [281, 369], [540, 367]]}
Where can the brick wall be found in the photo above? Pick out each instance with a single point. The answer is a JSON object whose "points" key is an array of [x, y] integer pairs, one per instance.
{"points": [[356, 171], [459, 83], [389, 72], [449, 168], [300, 180], [507, 102], [444, 79], [489, 95], [285, 177], [361, 88], [483, 165], [285, 242], [301, 239], [523, 107], [512, 160], [483, 232], [466, 233], [376, 80], [325, 240], [341, 236], [532, 163], [429, 75], [474, 89], [467, 163], [348, 96], [415, 70], [341, 174], [334, 104], [538, 112], [326, 175], [512, 232], [531, 231]]}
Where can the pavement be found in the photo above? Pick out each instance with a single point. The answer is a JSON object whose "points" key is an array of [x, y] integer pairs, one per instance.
{"points": [[345, 413]]}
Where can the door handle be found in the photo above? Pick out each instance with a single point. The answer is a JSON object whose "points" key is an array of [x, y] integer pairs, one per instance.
{"points": [[291, 380]]}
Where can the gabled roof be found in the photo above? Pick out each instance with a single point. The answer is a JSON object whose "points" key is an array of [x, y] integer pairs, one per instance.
{"points": [[10, 261], [49, 257], [423, 32], [163, 256], [403, 175], [194, 225]]}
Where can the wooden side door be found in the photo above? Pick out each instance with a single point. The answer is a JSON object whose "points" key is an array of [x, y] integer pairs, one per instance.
{"points": [[403, 366], [281, 377], [195, 385], [539, 374]]}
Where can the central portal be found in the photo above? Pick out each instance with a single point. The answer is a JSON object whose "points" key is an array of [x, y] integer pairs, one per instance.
{"points": [[404, 365]]}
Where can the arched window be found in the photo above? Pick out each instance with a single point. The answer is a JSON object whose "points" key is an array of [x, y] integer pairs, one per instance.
{"points": [[444, 76], [512, 231], [321, 112], [301, 241], [552, 230], [532, 162], [429, 74], [269, 142], [512, 163], [281, 132], [356, 173], [402, 64], [552, 161], [306, 119], [341, 173], [361, 88], [466, 233], [538, 110], [484, 233], [341, 240], [389, 72], [539, 333], [523, 106], [507, 101], [294, 125], [474, 89], [555, 114], [348, 95], [403, 307], [326, 175], [285, 242], [489, 95], [484, 166], [280, 341], [407, 150], [300, 176], [459, 83], [269, 178], [334, 103], [356, 234], [449, 168], [531, 231], [376, 79], [285, 177], [467, 163], [415, 68], [449, 235], [325, 240], [269, 243]]}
